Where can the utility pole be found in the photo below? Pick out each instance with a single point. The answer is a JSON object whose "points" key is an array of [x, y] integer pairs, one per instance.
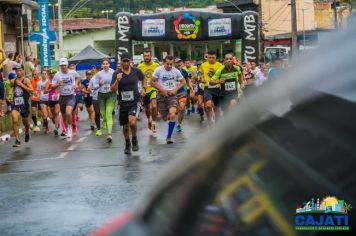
{"points": [[60, 29], [294, 28], [335, 15], [260, 13]]}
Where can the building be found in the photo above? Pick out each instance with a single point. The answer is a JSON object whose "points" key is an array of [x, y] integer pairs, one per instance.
{"points": [[15, 24], [78, 33]]}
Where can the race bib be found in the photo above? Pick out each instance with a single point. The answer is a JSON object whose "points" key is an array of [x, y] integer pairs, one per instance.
{"points": [[67, 90], [169, 84], [19, 101], [36, 94], [56, 97], [230, 86], [148, 82], [106, 88], [127, 96], [212, 86]]}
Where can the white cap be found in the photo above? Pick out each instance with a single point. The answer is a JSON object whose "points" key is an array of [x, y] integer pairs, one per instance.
{"points": [[63, 62]]}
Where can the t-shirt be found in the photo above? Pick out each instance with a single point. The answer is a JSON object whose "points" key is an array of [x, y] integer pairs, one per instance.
{"points": [[185, 75], [94, 89], [208, 70], [148, 70], [4, 66], [35, 96], [68, 86], [107, 77], [128, 92], [167, 79], [231, 77], [190, 71], [40, 90]]}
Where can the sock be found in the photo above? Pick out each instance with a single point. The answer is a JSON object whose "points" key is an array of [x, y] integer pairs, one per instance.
{"points": [[134, 138], [63, 125], [34, 119], [74, 121], [171, 125]]}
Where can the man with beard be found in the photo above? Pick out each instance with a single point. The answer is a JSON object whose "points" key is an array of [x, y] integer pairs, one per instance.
{"points": [[150, 98], [126, 81]]}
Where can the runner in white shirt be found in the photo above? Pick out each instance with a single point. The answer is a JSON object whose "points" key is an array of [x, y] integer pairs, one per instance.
{"points": [[66, 81], [164, 79]]}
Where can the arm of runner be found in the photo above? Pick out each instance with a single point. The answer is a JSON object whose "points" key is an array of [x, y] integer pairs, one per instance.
{"points": [[142, 79], [26, 85], [216, 77], [116, 77], [56, 82], [46, 89], [154, 83]]}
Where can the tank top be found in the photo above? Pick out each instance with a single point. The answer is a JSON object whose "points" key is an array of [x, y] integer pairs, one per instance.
{"points": [[41, 88], [53, 94], [21, 96]]}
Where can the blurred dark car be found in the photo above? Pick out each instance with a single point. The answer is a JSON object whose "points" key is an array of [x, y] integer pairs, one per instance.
{"points": [[294, 140]]}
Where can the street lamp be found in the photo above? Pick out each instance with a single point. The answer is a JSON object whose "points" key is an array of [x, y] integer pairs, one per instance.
{"points": [[107, 14], [234, 5]]}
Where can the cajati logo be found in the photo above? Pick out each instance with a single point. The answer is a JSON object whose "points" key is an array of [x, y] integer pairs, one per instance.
{"points": [[329, 214]]}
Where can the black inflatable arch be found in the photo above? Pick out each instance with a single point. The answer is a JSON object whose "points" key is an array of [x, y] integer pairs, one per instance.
{"points": [[189, 26]]}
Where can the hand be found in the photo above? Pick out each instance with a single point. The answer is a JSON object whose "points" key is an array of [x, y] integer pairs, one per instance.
{"points": [[164, 93], [142, 92], [242, 86], [102, 82], [119, 77], [221, 81], [60, 82], [172, 92]]}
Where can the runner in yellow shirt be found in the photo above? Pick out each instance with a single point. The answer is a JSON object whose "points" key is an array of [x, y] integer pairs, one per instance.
{"points": [[150, 100], [211, 92]]}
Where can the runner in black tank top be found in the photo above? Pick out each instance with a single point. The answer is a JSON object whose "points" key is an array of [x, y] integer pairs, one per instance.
{"points": [[20, 105]]}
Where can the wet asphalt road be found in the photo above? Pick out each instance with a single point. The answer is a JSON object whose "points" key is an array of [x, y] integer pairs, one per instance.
{"points": [[52, 187]]}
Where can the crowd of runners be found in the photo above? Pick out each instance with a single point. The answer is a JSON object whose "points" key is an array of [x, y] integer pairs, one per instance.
{"points": [[207, 88]]}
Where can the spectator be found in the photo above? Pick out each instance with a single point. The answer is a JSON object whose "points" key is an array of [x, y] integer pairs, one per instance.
{"points": [[29, 67], [261, 76], [276, 71], [8, 66]]}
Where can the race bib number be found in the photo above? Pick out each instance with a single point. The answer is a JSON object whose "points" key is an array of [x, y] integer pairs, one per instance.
{"points": [[230, 86], [127, 96], [212, 86], [67, 90], [170, 84], [19, 101], [148, 82], [36, 94], [106, 88], [56, 97]]}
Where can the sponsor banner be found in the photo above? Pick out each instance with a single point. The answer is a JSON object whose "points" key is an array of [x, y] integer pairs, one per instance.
{"points": [[219, 27], [153, 28]]}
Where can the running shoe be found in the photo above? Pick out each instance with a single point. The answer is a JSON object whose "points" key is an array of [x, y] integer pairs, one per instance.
{"points": [[169, 140], [27, 138], [92, 128], [75, 129], [69, 138], [109, 139], [135, 146], [127, 149], [63, 134], [154, 127], [201, 118], [69, 134], [36, 129], [55, 132], [179, 128], [17, 143], [46, 130], [98, 132]]}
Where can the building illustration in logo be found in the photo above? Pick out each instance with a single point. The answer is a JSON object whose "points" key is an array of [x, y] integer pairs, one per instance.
{"points": [[186, 26], [329, 213]]}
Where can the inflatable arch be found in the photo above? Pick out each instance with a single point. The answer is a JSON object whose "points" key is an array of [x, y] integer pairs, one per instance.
{"points": [[189, 26]]}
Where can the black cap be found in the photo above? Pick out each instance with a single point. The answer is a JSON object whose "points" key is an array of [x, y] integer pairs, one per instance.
{"points": [[125, 56]]}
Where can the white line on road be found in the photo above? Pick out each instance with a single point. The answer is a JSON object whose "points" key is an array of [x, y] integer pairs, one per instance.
{"points": [[72, 147], [81, 139], [61, 156]]}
